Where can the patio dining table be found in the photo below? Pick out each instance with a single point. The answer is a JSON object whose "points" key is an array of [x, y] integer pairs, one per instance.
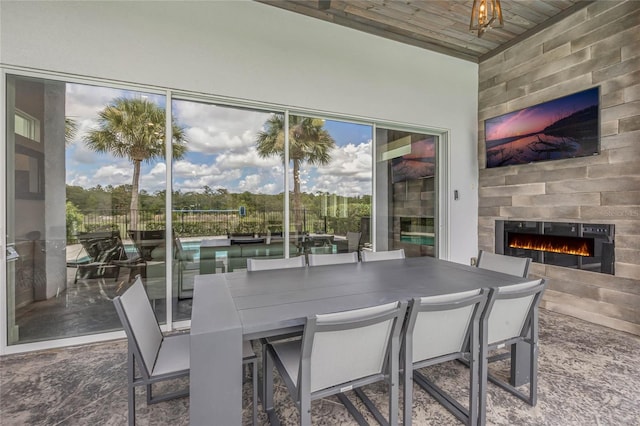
{"points": [[230, 308]]}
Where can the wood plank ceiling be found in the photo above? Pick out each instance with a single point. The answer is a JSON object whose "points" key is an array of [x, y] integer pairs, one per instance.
{"points": [[441, 26]]}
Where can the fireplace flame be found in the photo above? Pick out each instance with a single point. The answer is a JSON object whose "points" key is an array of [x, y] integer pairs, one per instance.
{"points": [[582, 250]]}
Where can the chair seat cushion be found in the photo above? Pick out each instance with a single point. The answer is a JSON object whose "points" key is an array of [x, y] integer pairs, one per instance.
{"points": [[289, 354], [173, 355]]}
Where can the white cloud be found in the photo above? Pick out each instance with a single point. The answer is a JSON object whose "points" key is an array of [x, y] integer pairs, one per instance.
{"points": [[197, 183], [113, 175], [246, 158], [222, 152], [348, 174], [187, 169], [349, 161], [211, 128]]}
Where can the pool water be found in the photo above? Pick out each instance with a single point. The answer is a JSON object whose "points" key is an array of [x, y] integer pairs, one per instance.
{"points": [[417, 239], [192, 247]]}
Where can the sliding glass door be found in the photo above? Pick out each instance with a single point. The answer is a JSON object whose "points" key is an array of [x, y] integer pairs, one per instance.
{"points": [[85, 176], [407, 192], [228, 196], [330, 179], [89, 206]]}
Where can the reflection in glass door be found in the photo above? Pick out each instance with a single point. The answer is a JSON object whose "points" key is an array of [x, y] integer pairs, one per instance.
{"points": [[330, 177], [228, 199], [85, 213], [406, 187]]}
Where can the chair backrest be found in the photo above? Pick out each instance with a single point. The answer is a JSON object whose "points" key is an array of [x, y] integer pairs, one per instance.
{"points": [[353, 241], [440, 325], [346, 346], [332, 259], [140, 325], [518, 266], [268, 264], [372, 256], [181, 254], [104, 246], [510, 310]]}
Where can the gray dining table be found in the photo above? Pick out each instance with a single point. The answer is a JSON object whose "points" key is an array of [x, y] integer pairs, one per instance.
{"points": [[229, 308]]}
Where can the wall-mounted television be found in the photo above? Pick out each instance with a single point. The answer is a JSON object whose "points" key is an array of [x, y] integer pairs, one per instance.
{"points": [[566, 127], [419, 163]]}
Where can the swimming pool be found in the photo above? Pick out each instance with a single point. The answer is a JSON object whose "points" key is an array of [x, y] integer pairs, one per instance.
{"points": [[417, 239], [191, 246]]}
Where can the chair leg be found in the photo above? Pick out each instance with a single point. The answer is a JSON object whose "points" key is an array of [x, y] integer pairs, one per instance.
{"points": [[533, 380], [473, 391], [474, 377], [131, 390], [394, 393], [254, 381], [149, 395], [305, 410], [407, 391], [482, 374], [267, 379]]}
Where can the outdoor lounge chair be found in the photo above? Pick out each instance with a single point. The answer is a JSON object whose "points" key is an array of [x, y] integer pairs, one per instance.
{"points": [[147, 241], [106, 255]]}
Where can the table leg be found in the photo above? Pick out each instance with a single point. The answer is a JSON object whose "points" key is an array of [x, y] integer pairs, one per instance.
{"points": [[215, 384]]}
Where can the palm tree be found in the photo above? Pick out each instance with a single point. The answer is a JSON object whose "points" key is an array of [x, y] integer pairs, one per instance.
{"points": [[70, 130], [134, 129], [308, 142]]}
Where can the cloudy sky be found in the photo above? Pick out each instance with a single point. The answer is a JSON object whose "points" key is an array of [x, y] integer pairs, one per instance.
{"points": [[221, 151]]}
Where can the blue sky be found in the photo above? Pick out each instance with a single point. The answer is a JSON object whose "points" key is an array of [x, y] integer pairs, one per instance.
{"points": [[221, 151]]}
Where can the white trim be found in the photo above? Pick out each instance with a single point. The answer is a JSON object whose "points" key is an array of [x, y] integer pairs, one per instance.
{"points": [[286, 225], [75, 78], [373, 221], [3, 215], [34, 125], [443, 213], [64, 342], [168, 233]]}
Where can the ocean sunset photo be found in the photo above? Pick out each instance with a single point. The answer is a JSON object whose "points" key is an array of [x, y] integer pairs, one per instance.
{"points": [[562, 128]]}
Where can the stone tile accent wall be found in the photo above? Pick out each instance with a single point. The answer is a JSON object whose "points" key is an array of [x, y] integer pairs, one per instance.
{"points": [[597, 46]]}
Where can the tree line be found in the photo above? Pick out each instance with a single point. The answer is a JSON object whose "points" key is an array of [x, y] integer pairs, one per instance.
{"points": [[117, 200]]}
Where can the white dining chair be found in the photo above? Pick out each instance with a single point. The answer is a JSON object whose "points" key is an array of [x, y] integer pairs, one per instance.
{"points": [[440, 329], [510, 317], [158, 357], [373, 256], [518, 266], [332, 259], [270, 264], [339, 352]]}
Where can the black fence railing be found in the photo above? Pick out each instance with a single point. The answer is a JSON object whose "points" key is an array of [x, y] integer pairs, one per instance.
{"points": [[194, 223]]}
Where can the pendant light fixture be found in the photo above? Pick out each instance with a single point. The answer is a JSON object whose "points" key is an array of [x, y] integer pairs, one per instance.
{"points": [[485, 14]]}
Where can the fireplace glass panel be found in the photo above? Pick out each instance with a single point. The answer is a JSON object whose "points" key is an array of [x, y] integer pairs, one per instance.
{"points": [[596, 239]]}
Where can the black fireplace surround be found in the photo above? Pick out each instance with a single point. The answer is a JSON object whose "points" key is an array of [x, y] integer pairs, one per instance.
{"points": [[586, 246]]}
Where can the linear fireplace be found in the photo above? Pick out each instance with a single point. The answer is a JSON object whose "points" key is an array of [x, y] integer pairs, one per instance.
{"points": [[573, 245]]}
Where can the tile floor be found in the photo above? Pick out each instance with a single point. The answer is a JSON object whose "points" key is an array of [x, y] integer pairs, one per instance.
{"points": [[588, 375]]}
